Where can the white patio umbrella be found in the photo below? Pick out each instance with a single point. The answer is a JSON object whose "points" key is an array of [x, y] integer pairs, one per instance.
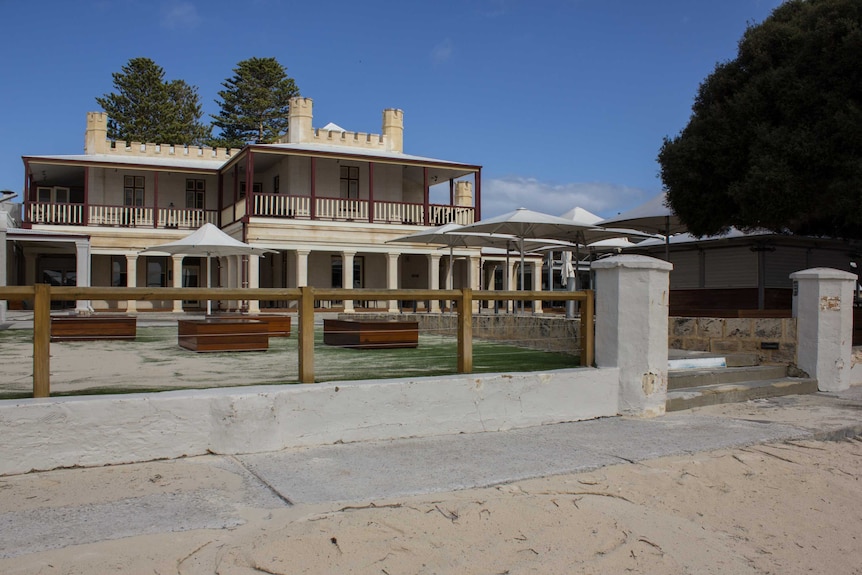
{"points": [[653, 217], [207, 241]]}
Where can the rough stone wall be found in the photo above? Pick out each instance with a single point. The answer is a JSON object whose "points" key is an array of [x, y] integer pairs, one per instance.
{"points": [[546, 333], [736, 335]]}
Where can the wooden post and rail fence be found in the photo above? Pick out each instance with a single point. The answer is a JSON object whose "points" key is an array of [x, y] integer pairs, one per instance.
{"points": [[41, 296]]}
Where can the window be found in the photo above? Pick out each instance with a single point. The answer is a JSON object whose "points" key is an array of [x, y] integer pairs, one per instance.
{"points": [[196, 191], [276, 181], [133, 190], [338, 272], [157, 272], [257, 188], [52, 195], [350, 182], [118, 271]]}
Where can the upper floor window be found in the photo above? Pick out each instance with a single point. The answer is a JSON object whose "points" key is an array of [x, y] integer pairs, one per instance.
{"points": [[350, 182], [53, 194], [133, 190], [196, 191], [256, 188]]}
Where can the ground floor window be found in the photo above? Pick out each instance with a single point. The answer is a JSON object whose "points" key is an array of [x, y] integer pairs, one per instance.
{"points": [[118, 271], [338, 272], [157, 272]]}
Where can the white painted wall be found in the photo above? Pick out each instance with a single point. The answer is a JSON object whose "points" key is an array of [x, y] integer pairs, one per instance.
{"points": [[41, 434]]}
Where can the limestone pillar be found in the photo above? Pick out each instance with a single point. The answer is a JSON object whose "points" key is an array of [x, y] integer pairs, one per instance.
{"points": [[131, 280], [302, 268], [434, 278], [347, 277], [392, 278], [177, 263], [823, 307], [537, 285], [631, 329], [82, 273], [510, 283], [474, 279], [253, 281]]}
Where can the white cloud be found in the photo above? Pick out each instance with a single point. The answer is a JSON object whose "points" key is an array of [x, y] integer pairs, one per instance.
{"points": [[442, 52], [179, 15], [503, 195]]}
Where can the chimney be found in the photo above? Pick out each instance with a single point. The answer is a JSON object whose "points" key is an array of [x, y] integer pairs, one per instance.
{"points": [[463, 193], [393, 130], [96, 136], [299, 120]]}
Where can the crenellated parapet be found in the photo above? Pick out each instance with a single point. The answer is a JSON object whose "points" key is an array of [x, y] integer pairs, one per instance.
{"points": [[300, 130], [96, 142]]}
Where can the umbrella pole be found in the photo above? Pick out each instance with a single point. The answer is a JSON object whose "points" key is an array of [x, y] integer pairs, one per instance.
{"points": [[450, 284], [523, 287], [209, 282]]}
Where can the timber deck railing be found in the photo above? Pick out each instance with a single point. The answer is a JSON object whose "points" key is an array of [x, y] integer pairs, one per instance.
{"points": [[42, 294]]}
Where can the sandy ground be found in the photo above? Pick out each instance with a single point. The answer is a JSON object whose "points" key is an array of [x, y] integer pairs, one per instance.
{"points": [[781, 508]]}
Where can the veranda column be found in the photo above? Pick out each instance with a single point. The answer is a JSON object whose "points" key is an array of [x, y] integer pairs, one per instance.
{"points": [[302, 268], [537, 285], [631, 329], [510, 283], [823, 308], [392, 278], [178, 281], [131, 280], [347, 278], [253, 281], [474, 279], [434, 278], [233, 267], [82, 271]]}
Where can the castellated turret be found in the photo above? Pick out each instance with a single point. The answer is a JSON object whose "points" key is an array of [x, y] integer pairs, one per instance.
{"points": [[393, 129], [96, 136], [299, 120]]}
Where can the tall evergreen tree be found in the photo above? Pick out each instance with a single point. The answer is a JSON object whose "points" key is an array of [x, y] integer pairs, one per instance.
{"points": [[146, 108], [254, 103], [775, 136]]}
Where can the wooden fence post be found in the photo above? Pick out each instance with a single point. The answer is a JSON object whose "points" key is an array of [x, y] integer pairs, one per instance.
{"points": [[42, 341], [306, 334], [465, 331]]}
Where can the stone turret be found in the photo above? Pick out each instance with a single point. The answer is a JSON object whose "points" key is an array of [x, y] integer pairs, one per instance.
{"points": [[393, 129], [463, 193], [96, 136], [299, 120]]}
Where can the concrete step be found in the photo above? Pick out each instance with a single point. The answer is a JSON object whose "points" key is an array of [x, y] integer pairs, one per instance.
{"points": [[682, 378], [679, 359], [689, 397]]}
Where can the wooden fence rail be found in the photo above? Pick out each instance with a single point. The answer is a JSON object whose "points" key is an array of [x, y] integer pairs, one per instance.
{"points": [[41, 296]]}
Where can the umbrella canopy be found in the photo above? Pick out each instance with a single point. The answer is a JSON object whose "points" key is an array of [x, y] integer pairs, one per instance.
{"points": [[654, 217], [207, 241]]}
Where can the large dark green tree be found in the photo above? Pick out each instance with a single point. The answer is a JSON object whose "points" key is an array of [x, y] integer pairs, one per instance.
{"points": [[146, 108], [775, 136], [254, 103]]}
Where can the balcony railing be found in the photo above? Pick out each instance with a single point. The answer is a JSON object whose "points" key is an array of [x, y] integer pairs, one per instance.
{"points": [[348, 209], [119, 216]]}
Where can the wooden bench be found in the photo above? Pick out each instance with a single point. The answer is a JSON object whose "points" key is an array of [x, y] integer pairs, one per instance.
{"points": [[93, 327], [203, 335], [370, 334], [277, 324]]}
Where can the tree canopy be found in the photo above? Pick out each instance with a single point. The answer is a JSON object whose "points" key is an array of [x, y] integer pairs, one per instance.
{"points": [[254, 103], [146, 108], [775, 136]]}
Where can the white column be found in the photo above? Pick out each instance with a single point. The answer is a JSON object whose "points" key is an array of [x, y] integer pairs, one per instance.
{"points": [[510, 283], [434, 278], [631, 329], [3, 264], [474, 279], [392, 278], [253, 281], [82, 273], [347, 278], [823, 307], [302, 268], [537, 285], [131, 280], [177, 263]]}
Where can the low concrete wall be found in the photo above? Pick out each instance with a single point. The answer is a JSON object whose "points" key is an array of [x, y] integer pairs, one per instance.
{"points": [[40, 434], [732, 335], [542, 332]]}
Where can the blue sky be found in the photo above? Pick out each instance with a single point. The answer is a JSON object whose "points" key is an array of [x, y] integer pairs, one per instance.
{"points": [[563, 103]]}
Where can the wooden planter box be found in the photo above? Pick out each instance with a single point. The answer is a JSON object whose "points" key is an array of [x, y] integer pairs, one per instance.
{"points": [[278, 325], [222, 335], [370, 334], [93, 327]]}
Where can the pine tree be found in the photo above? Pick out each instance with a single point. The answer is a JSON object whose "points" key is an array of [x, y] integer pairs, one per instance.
{"points": [[146, 108], [254, 103]]}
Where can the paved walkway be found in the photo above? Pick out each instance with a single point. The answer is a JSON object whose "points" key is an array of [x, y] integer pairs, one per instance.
{"points": [[41, 511]]}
